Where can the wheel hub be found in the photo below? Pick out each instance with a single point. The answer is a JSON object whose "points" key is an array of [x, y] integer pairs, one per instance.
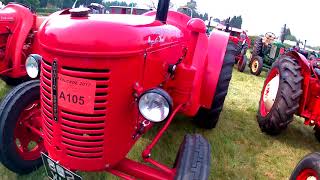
{"points": [[270, 92], [29, 144], [311, 178], [308, 174], [255, 66]]}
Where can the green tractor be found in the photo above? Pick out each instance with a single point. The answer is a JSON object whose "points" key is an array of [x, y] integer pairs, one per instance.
{"points": [[265, 52]]}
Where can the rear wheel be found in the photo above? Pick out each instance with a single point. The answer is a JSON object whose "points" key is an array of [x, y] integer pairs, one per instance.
{"points": [[193, 161], [208, 118], [308, 168], [20, 146], [280, 96], [256, 65], [257, 47], [242, 64]]}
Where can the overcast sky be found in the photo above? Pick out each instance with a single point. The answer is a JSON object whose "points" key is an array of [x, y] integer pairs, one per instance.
{"points": [[260, 16]]}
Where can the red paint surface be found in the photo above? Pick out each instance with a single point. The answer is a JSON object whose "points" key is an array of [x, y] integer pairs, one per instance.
{"points": [[122, 54], [18, 26]]}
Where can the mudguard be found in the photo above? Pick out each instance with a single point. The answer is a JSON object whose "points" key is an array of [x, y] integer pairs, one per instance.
{"points": [[217, 46], [16, 22], [306, 73]]}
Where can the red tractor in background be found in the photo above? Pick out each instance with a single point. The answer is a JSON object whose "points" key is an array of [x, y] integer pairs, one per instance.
{"points": [[18, 28], [292, 86], [105, 80], [241, 39]]}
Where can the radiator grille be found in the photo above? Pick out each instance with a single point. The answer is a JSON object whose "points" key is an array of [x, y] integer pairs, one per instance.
{"points": [[82, 134]]}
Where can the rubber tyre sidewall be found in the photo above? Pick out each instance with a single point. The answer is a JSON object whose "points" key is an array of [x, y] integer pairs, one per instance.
{"points": [[14, 81], [12, 105], [242, 65], [311, 161], [208, 118], [260, 65], [273, 123]]}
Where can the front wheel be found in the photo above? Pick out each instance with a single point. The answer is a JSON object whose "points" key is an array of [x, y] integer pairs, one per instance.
{"points": [[14, 81], [308, 168], [256, 65], [280, 96], [208, 118], [193, 161], [21, 143], [242, 64]]}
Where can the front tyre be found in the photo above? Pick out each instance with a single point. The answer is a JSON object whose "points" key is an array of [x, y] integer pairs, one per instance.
{"points": [[20, 146], [307, 168], [193, 160], [208, 118], [256, 65], [242, 64], [14, 81], [280, 96]]}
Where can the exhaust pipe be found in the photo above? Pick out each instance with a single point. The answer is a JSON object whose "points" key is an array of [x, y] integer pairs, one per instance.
{"points": [[162, 10]]}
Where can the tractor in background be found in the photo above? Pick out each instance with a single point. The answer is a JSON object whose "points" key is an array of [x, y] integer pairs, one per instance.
{"points": [[19, 25], [104, 81], [18, 29], [265, 52], [292, 87], [241, 39]]}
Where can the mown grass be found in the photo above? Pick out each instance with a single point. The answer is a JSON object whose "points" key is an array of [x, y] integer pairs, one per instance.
{"points": [[239, 149]]}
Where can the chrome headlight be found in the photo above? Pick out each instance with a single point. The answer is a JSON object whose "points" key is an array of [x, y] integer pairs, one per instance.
{"points": [[33, 65], [155, 105]]}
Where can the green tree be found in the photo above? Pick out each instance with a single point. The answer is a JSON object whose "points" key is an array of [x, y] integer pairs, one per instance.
{"points": [[236, 21], [191, 9], [43, 3], [67, 3]]}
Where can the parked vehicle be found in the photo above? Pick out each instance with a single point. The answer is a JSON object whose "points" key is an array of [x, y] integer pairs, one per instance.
{"points": [[18, 28], [292, 87], [241, 39], [265, 52], [105, 80]]}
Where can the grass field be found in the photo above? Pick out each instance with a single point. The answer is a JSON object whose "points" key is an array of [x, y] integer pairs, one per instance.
{"points": [[239, 149]]}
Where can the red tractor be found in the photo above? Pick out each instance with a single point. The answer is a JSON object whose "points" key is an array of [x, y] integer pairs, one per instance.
{"points": [[241, 39], [18, 29], [292, 86], [105, 80]]}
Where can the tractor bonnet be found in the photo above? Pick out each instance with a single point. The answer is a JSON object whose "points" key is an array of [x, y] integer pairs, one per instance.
{"points": [[99, 34]]}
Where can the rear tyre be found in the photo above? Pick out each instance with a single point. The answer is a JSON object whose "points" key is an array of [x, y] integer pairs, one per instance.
{"points": [[193, 160], [242, 64], [14, 81], [307, 168], [256, 65], [257, 47], [20, 147], [208, 118], [280, 96]]}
